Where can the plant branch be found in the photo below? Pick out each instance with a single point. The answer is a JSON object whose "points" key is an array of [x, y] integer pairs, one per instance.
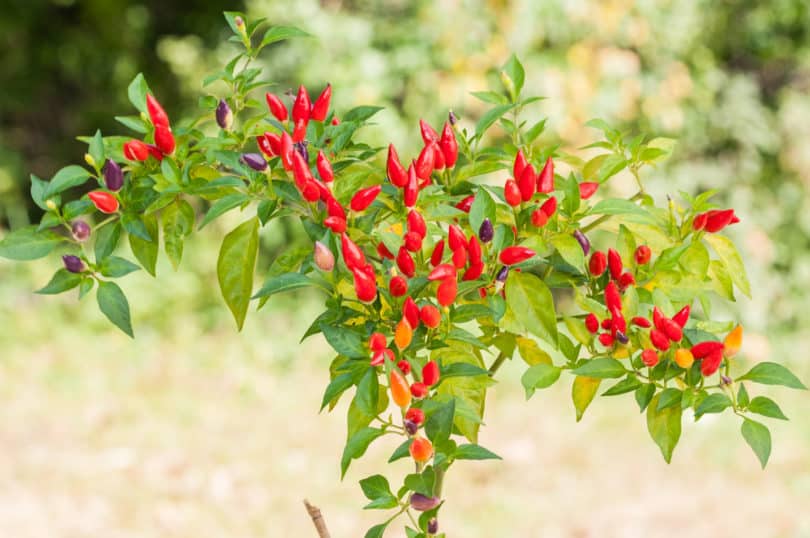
{"points": [[317, 520], [499, 360]]}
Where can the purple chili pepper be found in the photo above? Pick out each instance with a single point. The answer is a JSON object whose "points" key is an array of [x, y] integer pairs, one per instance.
{"points": [[621, 337], [113, 176], [224, 115], [421, 503], [433, 526], [583, 241], [486, 232], [410, 427], [81, 230], [74, 264], [502, 274], [255, 161], [301, 147]]}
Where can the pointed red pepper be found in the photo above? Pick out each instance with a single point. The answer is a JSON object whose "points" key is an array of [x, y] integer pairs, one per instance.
{"points": [[424, 163], [135, 150], [545, 181], [527, 183], [449, 146], [429, 134], [405, 262], [324, 168], [438, 252], [276, 107], [396, 173], [511, 192], [516, 254], [365, 197], [156, 113], [411, 191], [598, 263], [587, 189], [614, 264], [287, 151], [104, 201], [682, 316], [164, 139], [520, 164], [320, 108], [416, 223], [364, 285], [352, 254], [302, 106]]}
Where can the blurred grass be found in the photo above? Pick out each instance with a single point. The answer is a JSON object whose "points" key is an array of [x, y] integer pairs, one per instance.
{"points": [[193, 430]]}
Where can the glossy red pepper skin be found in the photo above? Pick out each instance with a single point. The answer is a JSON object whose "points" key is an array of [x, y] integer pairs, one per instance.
{"points": [[474, 271], [614, 264], [527, 183], [711, 363], [449, 146], [460, 257], [475, 251], [455, 238], [429, 134], [597, 263], [264, 145], [320, 108], [424, 163], [415, 415], [704, 349], [383, 251], [405, 262], [300, 131], [717, 219], [413, 241], [411, 312], [549, 207], [302, 106], [511, 193], [276, 106], [396, 173], [411, 191], [438, 157], [447, 291], [643, 255], [516, 254], [365, 285], [520, 164], [430, 373], [442, 271], [465, 204], [659, 339], [365, 197], [324, 168], [104, 201], [545, 181], [649, 357], [641, 322], [438, 252], [539, 218], [336, 224], [287, 151], [699, 222], [587, 189], [419, 390], [156, 113], [592, 323], [613, 300], [672, 330], [334, 209], [352, 255], [658, 318], [682, 316], [135, 150], [301, 172], [398, 286], [416, 223], [606, 339], [377, 342]]}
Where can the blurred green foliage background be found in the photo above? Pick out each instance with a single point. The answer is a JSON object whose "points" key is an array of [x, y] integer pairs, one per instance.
{"points": [[730, 80]]}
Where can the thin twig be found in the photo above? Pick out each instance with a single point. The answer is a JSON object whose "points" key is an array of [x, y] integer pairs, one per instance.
{"points": [[317, 520]]}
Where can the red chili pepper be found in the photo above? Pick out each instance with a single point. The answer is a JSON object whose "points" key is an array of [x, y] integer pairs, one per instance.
{"points": [[545, 181], [415, 415], [442, 271], [613, 300], [649, 357], [455, 238], [377, 341], [597, 264], [396, 173], [411, 191], [607, 323], [682, 316], [614, 264], [275, 142], [438, 252], [156, 113], [460, 257], [411, 312], [104, 201], [513, 255], [606, 339], [447, 291], [164, 139], [364, 197], [405, 262], [587, 189], [672, 330], [365, 286], [379, 357], [711, 363], [300, 131], [474, 249], [335, 121], [474, 271], [429, 134], [276, 107], [424, 163], [527, 183], [539, 218], [264, 145], [592, 323], [641, 322], [658, 318], [320, 108], [302, 106], [413, 241], [416, 223], [334, 209], [352, 254], [302, 175], [716, 220], [324, 168], [659, 339], [398, 286], [703, 349], [404, 367], [549, 207], [520, 164], [430, 373], [438, 157], [418, 390], [430, 316], [465, 204], [511, 192], [449, 146], [287, 151], [311, 192], [135, 150], [699, 222], [626, 280], [336, 224], [643, 255], [383, 251]]}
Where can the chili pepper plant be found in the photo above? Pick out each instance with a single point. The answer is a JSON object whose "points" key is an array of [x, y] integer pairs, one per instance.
{"points": [[437, 268]]}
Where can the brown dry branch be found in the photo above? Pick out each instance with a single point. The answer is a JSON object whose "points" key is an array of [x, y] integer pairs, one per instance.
{"points": [[317, 519]]}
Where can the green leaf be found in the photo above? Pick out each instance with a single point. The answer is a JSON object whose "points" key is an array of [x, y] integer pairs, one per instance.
{"points": [[668, 398], [531, 353], [490, 117], [514, 70], [569, 250], [771, 373], [762, 405], [237, 260], [113, 303], [67, 177], [63, 280], [539, 376], [630, 211], [280, 33], [357, 446], [107, 239], [336, 387], [628, 384], [713, 403], [361, 113], [483, 207], [582, 392], [602, 368], [376, 531], [368, 392], [401, 451], [283, 282], [96, 149], [423, 482], [531, 302], [223, 205], [728, 254], [664, 427], [178, 222], [146, 252], [345, 341], [27, 243], [469, 390], [758, 438], [474, 452], [439, 424], [461, 369], [644, 394], [116, 267], [137, 91], [377, 489]]}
